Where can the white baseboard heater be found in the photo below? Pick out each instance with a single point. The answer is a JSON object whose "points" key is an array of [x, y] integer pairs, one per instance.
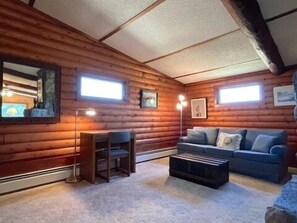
{"points": [[33, 179]]}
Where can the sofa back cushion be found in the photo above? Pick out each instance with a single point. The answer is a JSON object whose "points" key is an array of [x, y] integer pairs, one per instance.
{"points": [[195, 136], [210, 134], [252, 134], [241, 132], [263, 143]]}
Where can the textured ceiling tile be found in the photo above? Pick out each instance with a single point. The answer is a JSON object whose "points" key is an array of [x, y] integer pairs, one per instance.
{"points": [[228, 50], [93, 17], [284, 33], [249, 67], [173, 25], [271, 8]]}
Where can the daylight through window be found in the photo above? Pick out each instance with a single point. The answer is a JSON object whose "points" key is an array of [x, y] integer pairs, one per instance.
{"points": [[247, 93], [92, 87]]}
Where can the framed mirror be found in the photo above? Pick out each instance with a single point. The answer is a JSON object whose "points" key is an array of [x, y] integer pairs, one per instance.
{"points": [[30, 91]]}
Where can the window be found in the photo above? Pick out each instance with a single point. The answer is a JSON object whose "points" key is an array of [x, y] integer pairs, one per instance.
{"points": [[98, 87], [246, 93]]}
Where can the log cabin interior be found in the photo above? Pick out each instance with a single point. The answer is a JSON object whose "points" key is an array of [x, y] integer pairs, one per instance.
{"points": [[130, 61]]}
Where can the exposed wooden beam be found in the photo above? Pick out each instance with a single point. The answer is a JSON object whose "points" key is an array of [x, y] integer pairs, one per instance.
{"points": [[142, 13], [281, 15], [31, 3], [192, 46], [248, 16], [10, 83], [19, 74]]}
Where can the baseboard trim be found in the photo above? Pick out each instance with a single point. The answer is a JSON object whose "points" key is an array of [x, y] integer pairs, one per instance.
{"points": [[33, 179], [25, 181]]}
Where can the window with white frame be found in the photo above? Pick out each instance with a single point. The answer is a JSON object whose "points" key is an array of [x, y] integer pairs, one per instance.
{"points": [[98, 87], [238, 94]]}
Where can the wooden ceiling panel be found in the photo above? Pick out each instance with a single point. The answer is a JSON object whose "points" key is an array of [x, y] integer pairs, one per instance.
{"points": [[271, 8], [96, 18], [228, 50], [172, 26], [248, 67], [284, 33]]}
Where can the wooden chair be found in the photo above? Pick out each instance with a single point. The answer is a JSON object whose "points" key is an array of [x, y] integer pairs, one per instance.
{"points": [[118, 150]]}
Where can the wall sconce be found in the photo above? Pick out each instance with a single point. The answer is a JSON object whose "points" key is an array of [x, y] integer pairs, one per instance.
{"points": [[182, 103], [73, 178]]}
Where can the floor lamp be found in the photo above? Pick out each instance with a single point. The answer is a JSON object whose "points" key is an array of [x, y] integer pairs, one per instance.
{"points": [[73, 178], [182, 103]]}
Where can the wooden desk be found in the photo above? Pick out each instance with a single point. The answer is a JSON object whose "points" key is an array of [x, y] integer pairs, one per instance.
{"points": [[88, 141]]}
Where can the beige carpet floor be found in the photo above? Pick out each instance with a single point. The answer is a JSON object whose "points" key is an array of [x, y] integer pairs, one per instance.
{"points": [[150, 195]]}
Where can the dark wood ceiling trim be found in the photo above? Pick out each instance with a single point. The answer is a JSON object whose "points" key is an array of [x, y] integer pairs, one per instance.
{"points": [[217, 68], [19, 74], [248, 16], [192, 46], [31, 3], [142, 13], [291, 67], [10, 83], [281, 15]]}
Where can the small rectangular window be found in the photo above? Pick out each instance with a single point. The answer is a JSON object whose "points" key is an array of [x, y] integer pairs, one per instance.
{"points": [[102, 88], [246, 93]]}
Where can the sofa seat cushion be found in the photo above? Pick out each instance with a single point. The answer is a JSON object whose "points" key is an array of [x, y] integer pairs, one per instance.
{"points": [[210, 134], [213, 150], [190, 147], [257, 156]]}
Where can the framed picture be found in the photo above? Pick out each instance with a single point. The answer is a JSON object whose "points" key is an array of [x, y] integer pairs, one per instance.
{"points": [[284, 95], [149, 99], [198, 108]]}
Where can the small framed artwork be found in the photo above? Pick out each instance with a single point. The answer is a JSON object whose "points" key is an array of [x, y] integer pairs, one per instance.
{"points": [[198, 108], [149, 99], [284, 95]]}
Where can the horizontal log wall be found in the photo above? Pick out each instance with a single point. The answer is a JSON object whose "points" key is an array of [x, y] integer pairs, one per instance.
{"points": [[24, 32], [255, 115]]}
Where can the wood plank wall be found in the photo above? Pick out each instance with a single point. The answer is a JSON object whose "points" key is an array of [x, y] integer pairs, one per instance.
{"points": [[24, 32], [262, 115]]}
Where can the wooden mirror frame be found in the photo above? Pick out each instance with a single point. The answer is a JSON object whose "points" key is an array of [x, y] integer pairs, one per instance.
{"points": [[34, 63]]}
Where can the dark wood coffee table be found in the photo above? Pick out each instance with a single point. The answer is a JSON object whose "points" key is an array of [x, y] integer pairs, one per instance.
{"points": [[208, 171]]}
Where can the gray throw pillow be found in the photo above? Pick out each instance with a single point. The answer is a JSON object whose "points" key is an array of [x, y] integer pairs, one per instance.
{"points": [[195, 136], [263, 143]]}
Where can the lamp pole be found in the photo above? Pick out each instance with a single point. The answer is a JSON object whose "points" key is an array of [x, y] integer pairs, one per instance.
{"points": [[73, 178], [182, 103]]}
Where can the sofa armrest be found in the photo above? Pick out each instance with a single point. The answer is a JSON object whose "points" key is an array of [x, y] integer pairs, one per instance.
{"points": [[183, 139], [280, 150]]}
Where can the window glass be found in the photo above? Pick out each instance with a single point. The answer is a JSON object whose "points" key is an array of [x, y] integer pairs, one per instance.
{"points": [[247, 93], [101, 88]]}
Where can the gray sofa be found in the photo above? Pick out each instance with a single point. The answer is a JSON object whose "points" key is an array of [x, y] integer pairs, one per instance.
{"points": [[270, 165]]}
